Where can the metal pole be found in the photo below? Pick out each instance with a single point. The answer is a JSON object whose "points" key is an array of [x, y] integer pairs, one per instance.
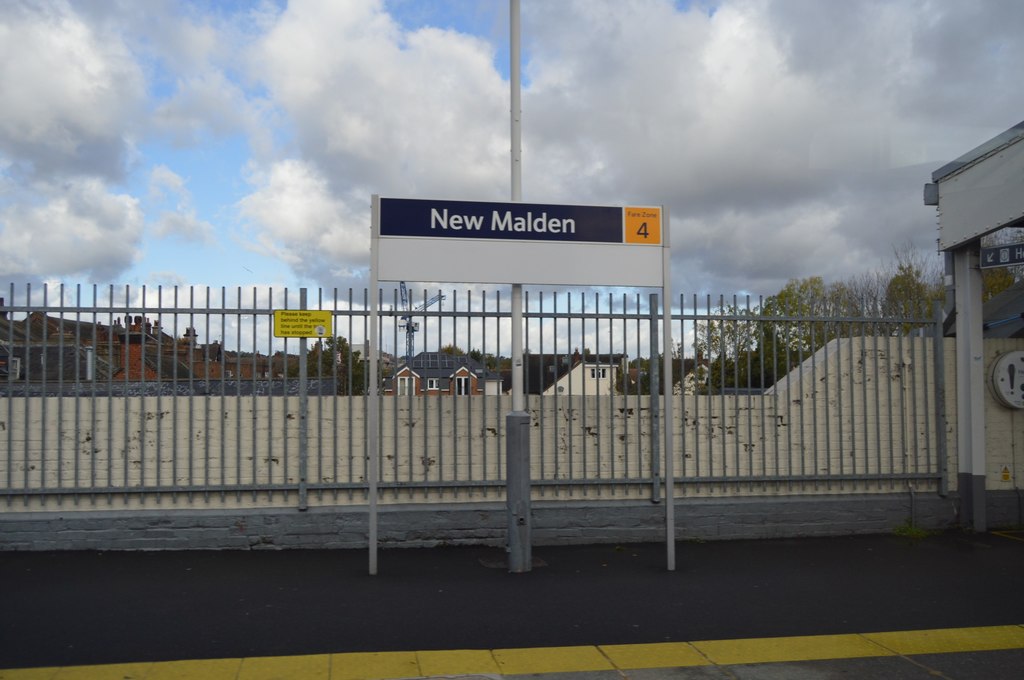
{"points": [[666, 333], [303, 414], [516, 98], [654, 376], [517, 422], [940, 400], [518, 392], [373, 384]]}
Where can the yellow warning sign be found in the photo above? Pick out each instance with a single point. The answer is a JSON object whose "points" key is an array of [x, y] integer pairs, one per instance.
{"points": [[302, 323], [643, 225]]}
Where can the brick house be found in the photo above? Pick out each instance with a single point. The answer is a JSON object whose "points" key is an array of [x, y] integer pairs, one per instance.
{"points": [[438, 373]]}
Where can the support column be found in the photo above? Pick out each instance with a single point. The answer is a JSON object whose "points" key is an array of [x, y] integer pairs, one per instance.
{"points": [[517, 481], [970, 387]]}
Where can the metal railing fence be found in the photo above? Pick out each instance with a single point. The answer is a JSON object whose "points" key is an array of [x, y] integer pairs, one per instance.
{"points": [[185, 395]]}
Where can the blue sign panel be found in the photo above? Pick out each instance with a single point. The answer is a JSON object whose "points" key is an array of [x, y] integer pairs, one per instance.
{"points": [[1002, 256], [500, 221]]}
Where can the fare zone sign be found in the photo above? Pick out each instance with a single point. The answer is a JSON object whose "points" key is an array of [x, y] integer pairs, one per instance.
{"points": [[478, 242]]}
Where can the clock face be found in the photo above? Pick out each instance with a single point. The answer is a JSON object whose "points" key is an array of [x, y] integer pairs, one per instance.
{"points": [[1008, 379]]}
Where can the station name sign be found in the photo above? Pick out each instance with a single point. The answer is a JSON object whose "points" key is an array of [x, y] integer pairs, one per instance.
{"points": [[526, 243], [1002, 256], [519, 221]]}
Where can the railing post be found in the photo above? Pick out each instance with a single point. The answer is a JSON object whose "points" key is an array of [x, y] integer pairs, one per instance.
{"points": [[517, 480], [941, 451], [303, 416], [654, 367]]}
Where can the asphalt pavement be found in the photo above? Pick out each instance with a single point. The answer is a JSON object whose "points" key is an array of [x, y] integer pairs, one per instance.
{"points": [[65, 609]]}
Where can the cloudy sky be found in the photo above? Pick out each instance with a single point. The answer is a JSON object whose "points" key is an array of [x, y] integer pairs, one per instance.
{"points": [[165, 142]]}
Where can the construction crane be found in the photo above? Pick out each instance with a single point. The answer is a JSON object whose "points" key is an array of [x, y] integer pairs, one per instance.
{"points": [[407, 324]]}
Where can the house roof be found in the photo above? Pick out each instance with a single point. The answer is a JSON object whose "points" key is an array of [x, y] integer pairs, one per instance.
{"points": [[116, 346], [541, 371], [1003, 315], [444, 365]]}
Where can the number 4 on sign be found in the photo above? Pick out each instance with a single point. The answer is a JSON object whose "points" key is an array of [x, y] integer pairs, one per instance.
{"points": [[643, 225]]}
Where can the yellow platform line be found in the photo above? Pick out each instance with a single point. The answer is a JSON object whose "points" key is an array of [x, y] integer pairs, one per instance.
{"points": [[1012, 535], [395, 665]]}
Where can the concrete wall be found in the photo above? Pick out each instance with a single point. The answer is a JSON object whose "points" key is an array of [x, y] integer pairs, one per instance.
{"points": [[403, 525], [740, 461]]}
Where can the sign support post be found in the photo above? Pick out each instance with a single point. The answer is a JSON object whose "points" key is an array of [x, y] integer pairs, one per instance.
{"points": [[517, 423], [372, 458], [666, 339]]}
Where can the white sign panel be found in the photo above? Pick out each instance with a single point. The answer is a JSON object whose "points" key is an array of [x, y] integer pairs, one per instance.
{"points": [[526, 243]]}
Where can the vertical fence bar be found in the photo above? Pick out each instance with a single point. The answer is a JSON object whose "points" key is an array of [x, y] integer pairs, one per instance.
{"points": [[626, 382], [609, 401], [827, 386], [143, 323], [303, 425], [160, 350], [175, 403], [927, 405], [761, 382], [220, 358], [79, 346], [484, 354], [126, 369], [864, 349], [207, 403], [8, 482], [61, 363], [683, 450], [941, 457], [43, 375], [350, 398], [654, 395], [322, 348]]}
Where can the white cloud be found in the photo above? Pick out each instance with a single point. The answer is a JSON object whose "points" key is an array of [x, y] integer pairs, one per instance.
{"points": [[184, 225], [373, 109], [74, 229], [163, 180], [71, 93], [381, 110], [295, 217], [181, 222], [206, 103], [788, 137]]}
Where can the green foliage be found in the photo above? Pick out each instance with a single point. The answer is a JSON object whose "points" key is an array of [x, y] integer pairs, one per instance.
{"points": [[643, 369], [909, 530], [995, 281], [334, 359], [749, 348]]}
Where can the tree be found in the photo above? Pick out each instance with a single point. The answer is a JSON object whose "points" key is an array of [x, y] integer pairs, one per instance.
{"points": [[913, 288], [644, 368], [995, 281], [334, 359], [726, 347], [798, 321]]}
